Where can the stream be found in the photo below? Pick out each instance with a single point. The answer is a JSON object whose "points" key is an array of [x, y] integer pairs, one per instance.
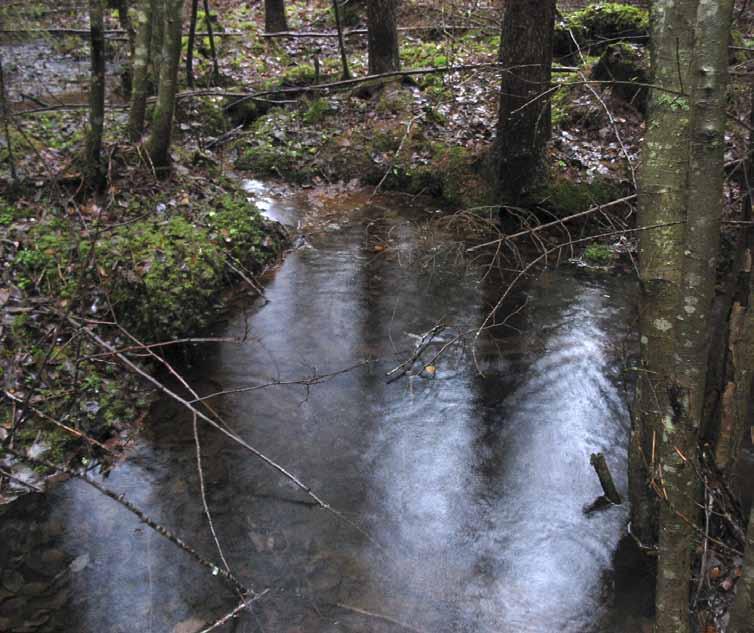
{"points": [[468, 483]]}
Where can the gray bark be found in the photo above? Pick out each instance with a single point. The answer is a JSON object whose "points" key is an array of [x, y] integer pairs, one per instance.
{"points": [[162, 123], [142, 54], [93, 172], [346, 74]]}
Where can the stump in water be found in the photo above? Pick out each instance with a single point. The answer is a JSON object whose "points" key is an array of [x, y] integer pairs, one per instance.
{"points": [[606, 479]]}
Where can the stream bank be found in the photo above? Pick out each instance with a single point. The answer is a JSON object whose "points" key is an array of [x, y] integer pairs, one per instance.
{"points": [[149, 264]]}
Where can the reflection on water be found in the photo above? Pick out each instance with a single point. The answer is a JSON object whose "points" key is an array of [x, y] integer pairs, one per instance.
{"points": [[473, 486]]}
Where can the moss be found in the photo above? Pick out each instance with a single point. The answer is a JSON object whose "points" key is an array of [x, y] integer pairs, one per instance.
{"points": [[565, 197], [597, 25], [598, 254], [302, 75], [317, 111]]}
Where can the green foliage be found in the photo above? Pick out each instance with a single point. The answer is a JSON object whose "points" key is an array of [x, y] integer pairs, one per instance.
{"points": [[317, 110], [302, 75], [598, 254]]}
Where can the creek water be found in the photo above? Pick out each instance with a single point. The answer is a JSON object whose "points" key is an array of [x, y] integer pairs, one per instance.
{"points": [[470, 481]]}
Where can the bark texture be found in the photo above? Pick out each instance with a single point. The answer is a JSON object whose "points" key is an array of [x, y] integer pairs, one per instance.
{"points": [[346, 74], [274, 16], [663, 176], [93, 147], [191, 43], [742, 615], [162, 125], [523, 130], [681, 183], [143, 18], [382, 22], [739, 361]]}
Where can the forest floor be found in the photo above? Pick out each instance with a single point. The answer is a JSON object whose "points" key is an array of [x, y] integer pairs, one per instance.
{"points": [[149, 262]]}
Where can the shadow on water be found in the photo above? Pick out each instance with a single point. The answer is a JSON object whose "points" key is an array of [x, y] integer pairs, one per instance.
{"points": [[472, 485]]}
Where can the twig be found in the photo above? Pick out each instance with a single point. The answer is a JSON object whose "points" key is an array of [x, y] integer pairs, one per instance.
{"points": [[379, 616], [541, 227], [123, 501], [228, 617]]}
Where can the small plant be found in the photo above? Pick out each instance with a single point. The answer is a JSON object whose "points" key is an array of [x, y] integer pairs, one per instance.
{"points": [[598, 254]]}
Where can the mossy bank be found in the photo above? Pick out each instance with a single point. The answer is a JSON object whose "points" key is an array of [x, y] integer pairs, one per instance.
{"points": [[150, 267]]}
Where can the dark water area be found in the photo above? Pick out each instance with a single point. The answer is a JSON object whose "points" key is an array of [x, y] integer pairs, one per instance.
{"points": [[472, 486]]}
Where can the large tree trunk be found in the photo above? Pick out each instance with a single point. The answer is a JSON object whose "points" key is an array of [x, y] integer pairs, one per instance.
{"points": [[680, 189], [142, 54], [93, 148], [162, 125], [523, 130], [662, 183], [384, 55], [274, 16]]}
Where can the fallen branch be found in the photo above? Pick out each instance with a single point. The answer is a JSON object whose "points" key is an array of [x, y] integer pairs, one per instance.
{"points": [[354, 32], [599, 463], [394, 73]]}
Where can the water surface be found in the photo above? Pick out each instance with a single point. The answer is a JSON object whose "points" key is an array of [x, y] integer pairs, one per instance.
{"points": [[471, 481]]}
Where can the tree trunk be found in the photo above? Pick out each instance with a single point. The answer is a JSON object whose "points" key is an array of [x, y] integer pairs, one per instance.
{"points": [[274, 16], [142, 57], [211, 38], [191, 42], [162, 124], [384, 55], [158, 37], [681, 182], [523, 130], [742, 614], [92, 169], [739, 362], [662, 184], [124, 18], [6, 123], [346, 74]]}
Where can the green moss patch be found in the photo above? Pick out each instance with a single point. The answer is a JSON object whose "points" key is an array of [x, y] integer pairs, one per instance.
{"points": [[598, 25], [160, 272]]}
